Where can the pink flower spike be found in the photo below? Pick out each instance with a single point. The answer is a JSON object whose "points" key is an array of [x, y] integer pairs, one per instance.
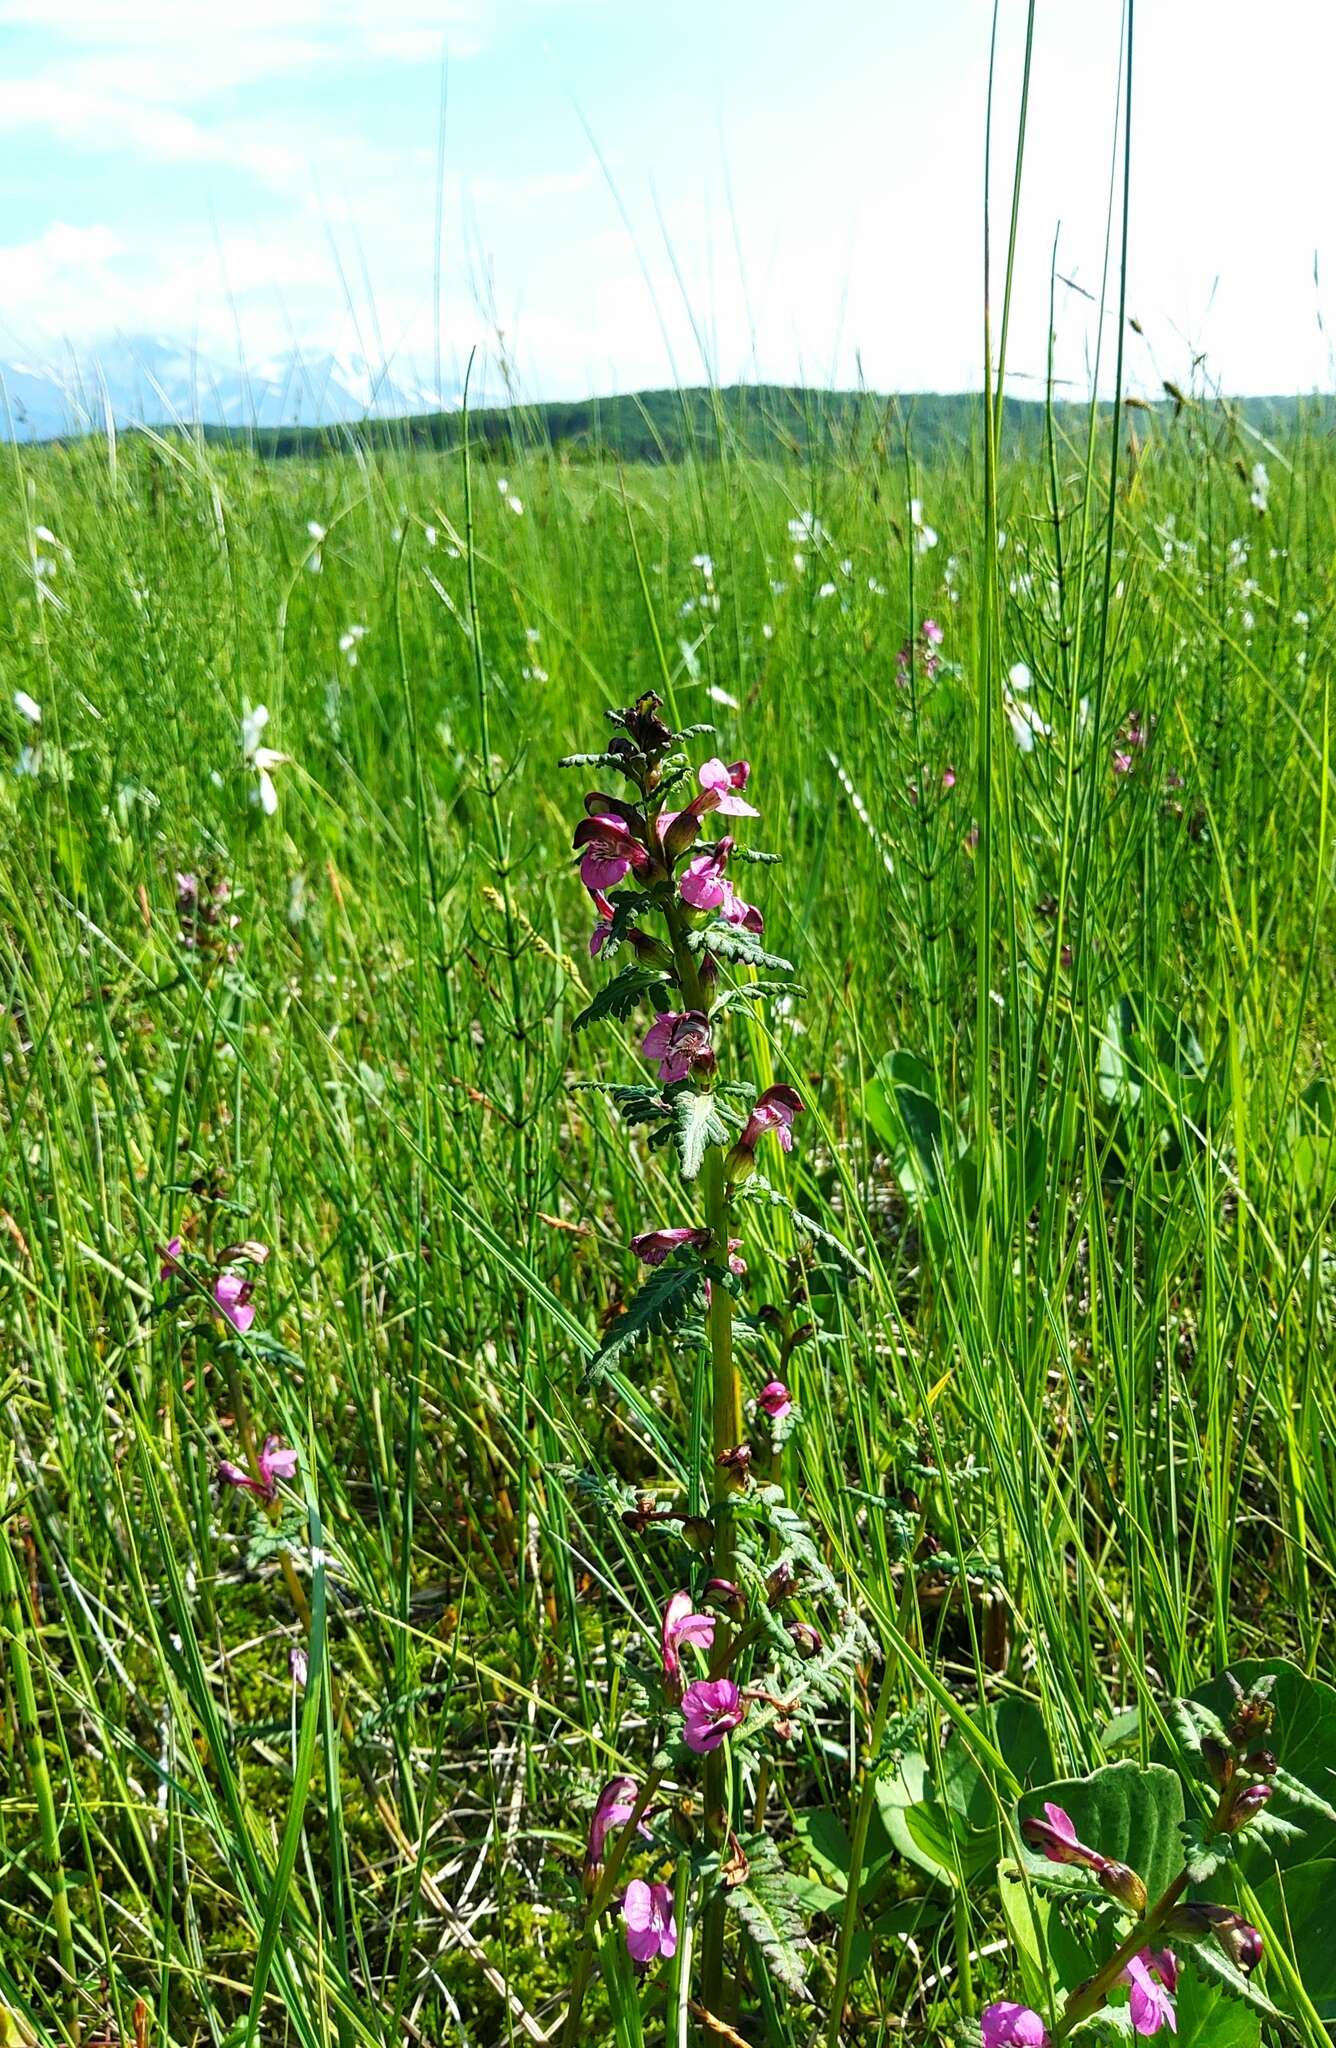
{"points": [[948, 778], [232, 1475], [932, 632], [1150, 2005], [774, 1400], [678, 1040], [231, 1294], [681, 1624], [1004, 2023], [170, 1255], [651, 1931], [774, 1111], [1122, 763], [711, 1709], [724, 781], [616, 1804]]}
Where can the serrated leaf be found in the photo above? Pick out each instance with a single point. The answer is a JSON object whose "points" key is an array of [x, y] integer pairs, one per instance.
{"points": [[697, 1125], [768, 1909], [1203, 1855], [617, 761], [727, 942], [1299, 1794], [1215, 1967], [618, 997], [758, 1189], [665, 1300]]}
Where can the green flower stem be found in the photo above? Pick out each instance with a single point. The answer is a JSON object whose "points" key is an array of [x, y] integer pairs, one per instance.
{"points": [[1089, 1997]]}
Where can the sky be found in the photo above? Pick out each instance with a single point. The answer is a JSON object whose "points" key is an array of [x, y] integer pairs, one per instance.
{"points": [[641, 192]]}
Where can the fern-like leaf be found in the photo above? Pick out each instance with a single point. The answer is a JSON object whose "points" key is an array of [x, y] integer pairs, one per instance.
{"points": [[618, 997], [665, 1301], [697, 1125]]}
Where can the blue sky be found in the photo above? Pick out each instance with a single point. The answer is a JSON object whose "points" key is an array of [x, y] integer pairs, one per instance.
{"points": [[635, 188]]}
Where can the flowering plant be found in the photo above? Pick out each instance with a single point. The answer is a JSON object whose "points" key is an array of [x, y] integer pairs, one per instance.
{"points": [[740, 1656]]}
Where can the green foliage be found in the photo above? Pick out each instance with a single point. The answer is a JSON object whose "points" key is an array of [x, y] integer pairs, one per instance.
{"points": [[697, 1124], [1132, 1815], [766, 1902], [618, 997], [662, 1303]]}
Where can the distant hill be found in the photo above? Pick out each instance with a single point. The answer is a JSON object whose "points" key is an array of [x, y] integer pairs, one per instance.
{"points": [[305, 404]]}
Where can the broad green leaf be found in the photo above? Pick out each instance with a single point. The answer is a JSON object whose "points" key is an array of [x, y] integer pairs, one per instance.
{"points": [[900, 1104], [1130, 1814]]}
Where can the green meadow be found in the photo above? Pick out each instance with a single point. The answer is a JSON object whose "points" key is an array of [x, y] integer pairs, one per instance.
{"points": [[1056, 890]]}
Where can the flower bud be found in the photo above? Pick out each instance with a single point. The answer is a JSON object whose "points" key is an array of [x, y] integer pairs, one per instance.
{"points": [[723, 1593], [682, 833], [1123, 1884], [780, 1583], [806, 1640], [1218, 1759], [739, 1165], [1261, 1764], [1247, 1804], [736, 1463], [1253, 1716], [644, 726], [1197, 1920]]}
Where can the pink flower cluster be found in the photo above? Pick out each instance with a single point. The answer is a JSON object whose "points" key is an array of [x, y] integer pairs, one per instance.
{"points": [[276, 1461]]}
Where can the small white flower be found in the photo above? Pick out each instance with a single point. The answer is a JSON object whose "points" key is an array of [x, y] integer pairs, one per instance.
{"points": [[348, 643], [29, 761], [315, 529], [315, 562], [503, 485], [705, 563], [777, 589], [1301, 619], [1019, 677], [516, 505], [718, 696], [1261, 486], [532, 635], [429, 535], [767, 631], [800, 565], [925, 536], [846, 566], [1026, 724], [27, 707], [877, 589], [826, 590], [261, 759]]}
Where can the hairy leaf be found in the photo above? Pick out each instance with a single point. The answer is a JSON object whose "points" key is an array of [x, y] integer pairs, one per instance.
{"points": [[665, 1300], [618, 997], [767, 1905], [726, 942], [697, 1125]]}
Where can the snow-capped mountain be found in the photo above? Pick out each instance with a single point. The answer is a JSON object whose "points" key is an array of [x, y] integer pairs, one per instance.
{"points": [[140, 380]]}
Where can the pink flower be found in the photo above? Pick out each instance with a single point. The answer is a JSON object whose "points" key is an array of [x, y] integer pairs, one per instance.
{"points": [[298, 1664], [774, 1111], [609, 849], [170, 1255], [1005, 2023], [1122, 763], [232, 1298], [1056, 1839], [1151, 2004], [678, 1040], [681, 1624], [932, 633], [711, 1709], [948, 778], [775, 1400], [654, 1246], [651, 1930], [616, 1804], [276, 1461], [724, 781], [703, 884]]}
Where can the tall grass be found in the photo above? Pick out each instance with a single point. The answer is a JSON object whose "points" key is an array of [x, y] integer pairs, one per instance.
{"points": [[1090, 1369]]}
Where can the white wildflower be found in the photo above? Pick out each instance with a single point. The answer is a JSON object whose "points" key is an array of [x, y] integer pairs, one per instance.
{"points": [[261, 759], [27, 707], [1261, 486]]}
